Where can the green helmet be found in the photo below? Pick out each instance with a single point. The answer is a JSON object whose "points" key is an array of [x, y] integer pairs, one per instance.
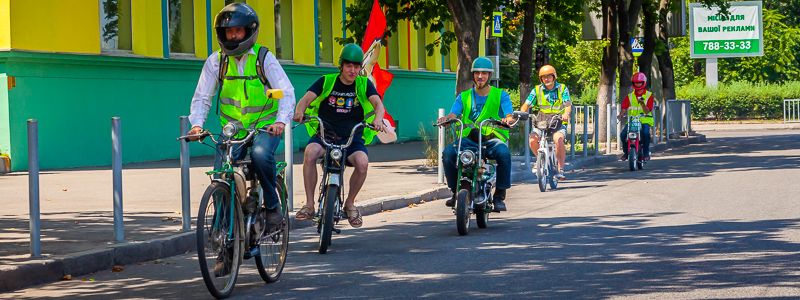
{"points": [[482, 64], [351, 53]]}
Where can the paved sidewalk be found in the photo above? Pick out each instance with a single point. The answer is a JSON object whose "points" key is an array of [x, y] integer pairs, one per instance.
{"points": [[77, 209]]}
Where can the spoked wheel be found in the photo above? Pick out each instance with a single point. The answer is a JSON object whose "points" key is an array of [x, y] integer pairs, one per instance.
{"points": [[551, 178], [274, 243], [219, 239], [632, 159], [462, 211], [326, 221], [482, 215], [541, 172]]}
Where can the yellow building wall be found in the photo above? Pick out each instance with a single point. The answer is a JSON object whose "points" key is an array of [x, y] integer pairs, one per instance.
{"points": [[200, 29], [216, 6], [44, 25], [266, 17], [147, 32], [433, 63], [303, 35], [407, 37], [5, 25], [453, 51]]}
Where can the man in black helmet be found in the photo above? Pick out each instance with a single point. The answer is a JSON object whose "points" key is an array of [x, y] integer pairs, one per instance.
{"points": [[241, 72]]}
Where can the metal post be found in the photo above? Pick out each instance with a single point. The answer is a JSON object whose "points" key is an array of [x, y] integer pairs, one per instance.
{"points": [[572, 135], [594, 132], [683, 119], [33, 187], [288, 149], [784, 111], [527, 144], [619, 128], [608, 128], [440, 144], [711, 72], [585, 130], [185, 197], [116, 171], [666, 121]]}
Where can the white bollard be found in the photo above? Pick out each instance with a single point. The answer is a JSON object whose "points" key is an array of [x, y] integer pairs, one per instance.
{"points": [[440, 169]]}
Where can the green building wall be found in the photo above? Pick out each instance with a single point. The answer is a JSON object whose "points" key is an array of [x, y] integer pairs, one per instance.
{"points": [[73, 97]]}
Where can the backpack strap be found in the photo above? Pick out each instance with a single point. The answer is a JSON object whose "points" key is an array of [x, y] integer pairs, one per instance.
{"points": [[223, 68], [262, 55]]}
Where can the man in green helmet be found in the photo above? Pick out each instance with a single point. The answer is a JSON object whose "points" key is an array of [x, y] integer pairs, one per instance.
{"points": [[241, 72], [341, 100], [479, 103]]}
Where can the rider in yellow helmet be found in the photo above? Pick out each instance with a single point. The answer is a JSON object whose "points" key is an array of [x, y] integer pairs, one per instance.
{"points": [[551, 98]]}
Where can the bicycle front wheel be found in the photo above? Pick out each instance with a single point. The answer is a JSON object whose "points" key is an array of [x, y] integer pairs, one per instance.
{"points": [[541, 172], [326, 230], [273, 243], [219, 239]]}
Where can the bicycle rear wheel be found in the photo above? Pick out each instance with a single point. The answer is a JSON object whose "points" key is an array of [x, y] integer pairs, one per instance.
{"points": [[273, 243], [219, 239], [326, 230]]}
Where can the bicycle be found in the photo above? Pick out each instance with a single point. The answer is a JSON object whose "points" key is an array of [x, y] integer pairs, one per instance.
{"points": [[635, 148], [331, 194], [224, 230], [477, 178], [545, 167]]}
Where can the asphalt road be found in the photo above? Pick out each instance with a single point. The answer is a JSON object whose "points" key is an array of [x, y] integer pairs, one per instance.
{"points": [[715, 220]]}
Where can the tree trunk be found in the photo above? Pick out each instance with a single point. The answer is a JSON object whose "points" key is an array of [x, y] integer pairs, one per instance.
{"points": [[664, 58], [526, 50], [646, 59], [626, 20], [608, 72], [467, 16]]}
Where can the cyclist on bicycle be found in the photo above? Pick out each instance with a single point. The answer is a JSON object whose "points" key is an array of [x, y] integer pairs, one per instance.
{"points": [[479, 103], [551, 98], [242, 96], [644, 106], [341, 100]]}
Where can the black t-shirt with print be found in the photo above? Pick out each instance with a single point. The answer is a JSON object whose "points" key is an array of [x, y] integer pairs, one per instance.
{"points": [[341, 110]]}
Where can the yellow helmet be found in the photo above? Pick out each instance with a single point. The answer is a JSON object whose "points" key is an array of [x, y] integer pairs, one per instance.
{"points": [[547, 70]]}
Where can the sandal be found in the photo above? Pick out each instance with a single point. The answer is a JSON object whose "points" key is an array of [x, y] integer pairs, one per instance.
{"points": [[354, 217], [305, 213]]}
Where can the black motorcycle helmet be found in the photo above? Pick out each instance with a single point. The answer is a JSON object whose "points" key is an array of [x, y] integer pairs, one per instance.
{"points": [[234, 15]]}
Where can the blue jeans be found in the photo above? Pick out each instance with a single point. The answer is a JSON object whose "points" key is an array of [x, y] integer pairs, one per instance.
{"points": [[623, 136], [262, 153], [493, 149]]}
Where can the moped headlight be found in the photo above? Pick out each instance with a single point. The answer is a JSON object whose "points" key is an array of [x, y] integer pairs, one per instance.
{"points": [[632, 135], [467, 157], [229, 130], [336, 154]]}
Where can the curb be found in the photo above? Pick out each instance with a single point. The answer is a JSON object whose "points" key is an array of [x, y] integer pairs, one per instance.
{"points": [[51, 269]]}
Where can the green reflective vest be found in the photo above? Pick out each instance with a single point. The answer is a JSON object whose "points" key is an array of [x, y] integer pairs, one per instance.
{"points": [[361, 95], [491, 110], [551, 108], [243, 100], [635, 109]]}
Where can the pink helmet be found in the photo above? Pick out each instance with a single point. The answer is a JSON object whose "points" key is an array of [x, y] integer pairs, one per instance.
{"points": [[639, 81]]}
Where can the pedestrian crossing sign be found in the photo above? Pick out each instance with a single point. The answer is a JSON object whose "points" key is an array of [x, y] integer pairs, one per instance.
{"points": [[497, 24]]}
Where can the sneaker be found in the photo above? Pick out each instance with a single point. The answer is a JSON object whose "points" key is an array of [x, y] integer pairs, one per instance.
{"points": [[560, 175], [499, 200], [624, 157], [274, 216], [250, 203], [451, 202]]}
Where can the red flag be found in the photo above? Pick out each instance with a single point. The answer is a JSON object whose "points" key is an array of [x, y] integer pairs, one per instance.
{"points": [[376, 27]]}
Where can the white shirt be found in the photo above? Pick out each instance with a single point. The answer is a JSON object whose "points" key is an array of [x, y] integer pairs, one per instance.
{"points": [[207, 87]]}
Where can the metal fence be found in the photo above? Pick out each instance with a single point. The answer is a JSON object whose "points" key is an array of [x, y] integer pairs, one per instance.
{"points": [[791, 111]]}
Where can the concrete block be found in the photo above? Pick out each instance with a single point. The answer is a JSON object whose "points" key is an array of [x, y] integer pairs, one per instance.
{"points": [[88, 261]]}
